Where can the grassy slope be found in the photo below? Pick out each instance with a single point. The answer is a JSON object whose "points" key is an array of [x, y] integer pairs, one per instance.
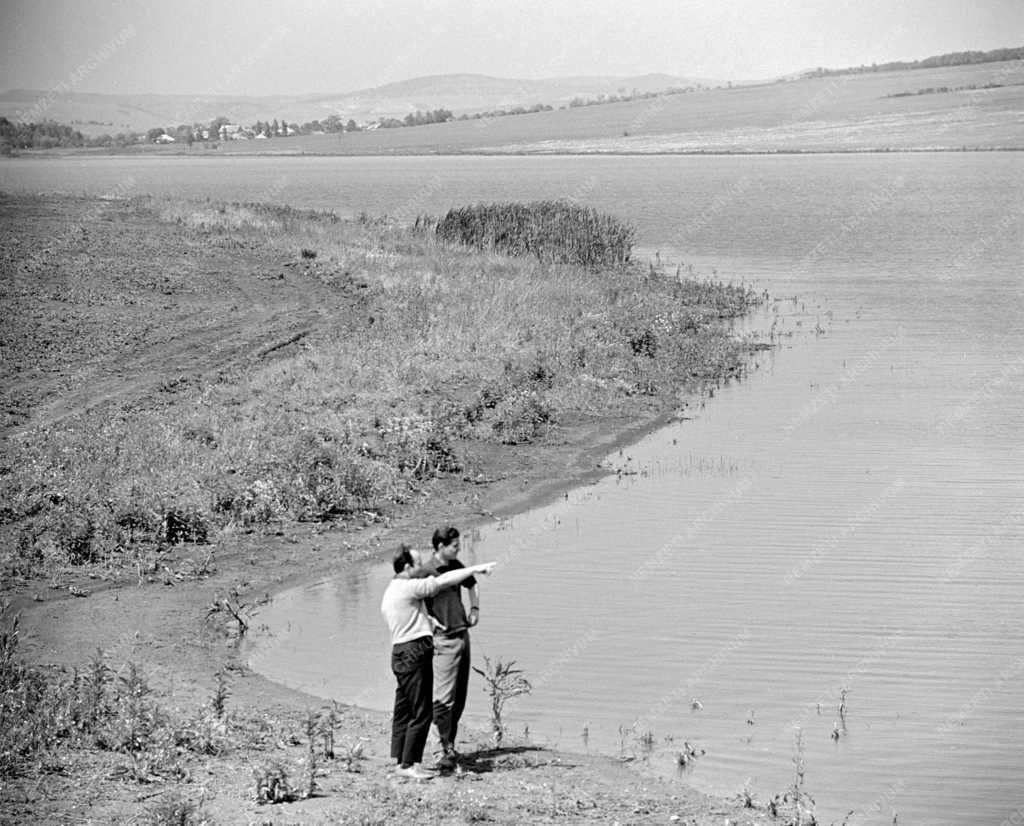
{"points": [[177, 364], [849, 112]]}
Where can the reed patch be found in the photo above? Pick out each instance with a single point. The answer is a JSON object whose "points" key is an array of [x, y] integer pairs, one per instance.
{"points": [[552, 231]]}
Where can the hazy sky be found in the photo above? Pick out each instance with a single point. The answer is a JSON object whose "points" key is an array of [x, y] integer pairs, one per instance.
{"points": [[266, 47]]}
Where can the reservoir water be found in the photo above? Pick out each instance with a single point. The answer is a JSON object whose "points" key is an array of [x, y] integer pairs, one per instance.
{"points": [[843, 528]]}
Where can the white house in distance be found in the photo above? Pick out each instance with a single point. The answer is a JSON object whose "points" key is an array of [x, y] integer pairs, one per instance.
{"points": [[234, 132], [164, 138]]}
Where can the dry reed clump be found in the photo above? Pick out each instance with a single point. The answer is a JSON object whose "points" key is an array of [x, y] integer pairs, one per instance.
{"points": [[447, 346], [553, 231]]}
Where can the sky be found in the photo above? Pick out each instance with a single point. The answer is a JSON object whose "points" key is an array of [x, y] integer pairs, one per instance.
{"points": [[270, 47]]}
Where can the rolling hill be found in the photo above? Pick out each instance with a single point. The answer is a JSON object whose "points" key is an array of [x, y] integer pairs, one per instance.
{"points": [[957, 107], [94, 114]]}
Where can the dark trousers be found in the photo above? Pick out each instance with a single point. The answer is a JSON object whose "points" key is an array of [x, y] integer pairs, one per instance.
{"points": [[451, 684], [413, 666]]}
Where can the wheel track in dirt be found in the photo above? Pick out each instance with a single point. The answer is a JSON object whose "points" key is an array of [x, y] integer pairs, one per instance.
{"points": [[270, 311], [204, 353]]}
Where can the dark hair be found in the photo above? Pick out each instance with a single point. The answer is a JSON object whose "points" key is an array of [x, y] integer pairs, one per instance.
{"points": [[403, 557], [445, 536]]}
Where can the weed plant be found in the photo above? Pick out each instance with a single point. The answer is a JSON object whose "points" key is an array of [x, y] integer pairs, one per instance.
{"points": [[175, 809], [502, 682], [795, 805], [46, 715]]}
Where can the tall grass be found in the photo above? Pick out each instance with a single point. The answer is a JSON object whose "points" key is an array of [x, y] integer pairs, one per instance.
{"points": [[553, 231]]}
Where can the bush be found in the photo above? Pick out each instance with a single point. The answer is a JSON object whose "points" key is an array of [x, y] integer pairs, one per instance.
{"points": [[417, 446], [521, 416], [553, 231]]}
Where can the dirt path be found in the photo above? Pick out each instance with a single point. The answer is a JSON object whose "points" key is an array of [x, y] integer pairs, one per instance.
{"points": [[86, 322]]}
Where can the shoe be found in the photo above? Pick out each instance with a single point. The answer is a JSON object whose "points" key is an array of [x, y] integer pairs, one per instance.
{"points": [[446, 762], [414, 772]]}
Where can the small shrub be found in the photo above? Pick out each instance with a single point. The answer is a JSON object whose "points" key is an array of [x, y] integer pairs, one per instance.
{"points": [[220, 694], [181, 525], [313, 729], [25, 556], [272, 784], [417, 446], [330, 478], [74, 536], [137, 525], [176, 810], [352, 754], [259, 503], [134, 716], [503, 681], [521, 416], [795, 804], [206, 734], [644, 343]]}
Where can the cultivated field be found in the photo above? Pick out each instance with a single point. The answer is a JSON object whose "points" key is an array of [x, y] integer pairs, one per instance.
{"points": [[842, 113]]}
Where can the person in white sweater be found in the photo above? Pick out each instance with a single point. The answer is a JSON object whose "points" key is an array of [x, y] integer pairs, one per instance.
{"points": [[412, 651]]}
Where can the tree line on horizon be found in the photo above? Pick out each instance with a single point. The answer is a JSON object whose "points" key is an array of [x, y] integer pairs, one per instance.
{"points": [[934, 62], [46, 134]]}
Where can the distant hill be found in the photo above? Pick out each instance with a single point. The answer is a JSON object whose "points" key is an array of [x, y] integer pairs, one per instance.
{"points": [[94, 114], [469, 93]]}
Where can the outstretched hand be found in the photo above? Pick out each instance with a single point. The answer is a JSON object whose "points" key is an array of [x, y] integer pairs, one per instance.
{"points": [[486, 567]]}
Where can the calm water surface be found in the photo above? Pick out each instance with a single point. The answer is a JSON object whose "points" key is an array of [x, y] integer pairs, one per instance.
{"points": [[850, 517]]}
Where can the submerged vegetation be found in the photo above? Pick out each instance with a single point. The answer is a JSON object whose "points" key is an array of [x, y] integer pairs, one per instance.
{"points": [[433, 347]]}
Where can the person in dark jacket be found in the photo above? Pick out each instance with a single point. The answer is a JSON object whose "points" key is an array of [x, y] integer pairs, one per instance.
{"points": [[451, 642]]}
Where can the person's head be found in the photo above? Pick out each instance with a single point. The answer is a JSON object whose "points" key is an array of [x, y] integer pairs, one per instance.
{"points": [[446, 543], [412, 563]]}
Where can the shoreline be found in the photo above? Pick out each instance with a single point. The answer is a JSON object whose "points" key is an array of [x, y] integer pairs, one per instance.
{"points": [[181, 654], [169, 616]]}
